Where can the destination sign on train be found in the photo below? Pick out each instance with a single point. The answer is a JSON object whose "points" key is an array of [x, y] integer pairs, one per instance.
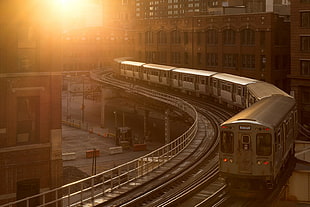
{"points": [[245, 127]]}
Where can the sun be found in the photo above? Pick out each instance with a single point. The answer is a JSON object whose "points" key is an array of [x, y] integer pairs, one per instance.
{"points": [[71, 7]]}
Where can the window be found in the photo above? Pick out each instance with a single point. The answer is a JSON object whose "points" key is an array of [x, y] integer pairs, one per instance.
{"points": [[229, 37], [247, 37], [305, 19], [227, 142], [212, 59], [27, 126], [148, 37], [162, 37], [305, 43], [175, 37], [248, 61], [263, 144], [305, 67], [230, 60], [212, 36]]}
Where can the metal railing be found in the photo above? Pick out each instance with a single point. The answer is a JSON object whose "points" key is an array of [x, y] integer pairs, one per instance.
{"points": [[91, 189]]}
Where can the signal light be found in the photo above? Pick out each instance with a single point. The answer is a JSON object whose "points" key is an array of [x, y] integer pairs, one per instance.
{"points": [[266, 162], [225, 159], [224, 127], [267, 129]]}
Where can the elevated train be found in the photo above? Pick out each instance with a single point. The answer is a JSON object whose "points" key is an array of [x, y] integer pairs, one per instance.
{"points": [[256, 143]]}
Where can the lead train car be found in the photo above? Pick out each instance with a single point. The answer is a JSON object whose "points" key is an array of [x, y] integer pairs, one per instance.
{"points": [[257, 142]]}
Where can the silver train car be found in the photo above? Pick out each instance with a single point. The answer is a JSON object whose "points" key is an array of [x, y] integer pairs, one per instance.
{"points": [[231, 90], [192, 81], [256, 143]]}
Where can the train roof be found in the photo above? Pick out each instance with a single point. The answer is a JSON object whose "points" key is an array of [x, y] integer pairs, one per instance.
{"points": [[268, 112], [159, 67], [262, 89], [194, 71], [129, 62], [119, 60], [234, 78]]}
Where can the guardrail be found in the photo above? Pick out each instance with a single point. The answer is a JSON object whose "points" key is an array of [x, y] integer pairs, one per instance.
{"points": [[91, 189]]}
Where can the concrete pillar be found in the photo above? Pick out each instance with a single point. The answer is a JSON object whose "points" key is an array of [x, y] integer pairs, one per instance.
{"points": [[145, 124], [167, 127], [102, 109]]}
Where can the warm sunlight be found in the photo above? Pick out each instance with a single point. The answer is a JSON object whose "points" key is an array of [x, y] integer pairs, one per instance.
{"points": [[79, 13], [71, 8]]}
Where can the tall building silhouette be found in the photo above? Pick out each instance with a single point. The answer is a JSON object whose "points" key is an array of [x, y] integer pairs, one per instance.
{"points": [[30, 103]]}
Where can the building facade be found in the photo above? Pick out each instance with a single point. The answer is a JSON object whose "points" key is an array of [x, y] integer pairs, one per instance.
{"points": [[254, 45], [300, 57], [30, 104]]}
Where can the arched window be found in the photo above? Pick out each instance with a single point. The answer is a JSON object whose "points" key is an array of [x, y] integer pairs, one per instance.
{"points": [[212, 36], [162, 37], [175, 37], [229, 37], [148, 37], [247, 37]]}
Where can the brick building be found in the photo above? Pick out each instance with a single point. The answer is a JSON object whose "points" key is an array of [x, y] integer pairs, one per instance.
{"points": [[94, 47], [251, 45], [30, 104], [300, 57]]}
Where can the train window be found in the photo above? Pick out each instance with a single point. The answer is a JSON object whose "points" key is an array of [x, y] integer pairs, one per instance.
{"points": [[263, 144], [227, 142], [246, 142]]}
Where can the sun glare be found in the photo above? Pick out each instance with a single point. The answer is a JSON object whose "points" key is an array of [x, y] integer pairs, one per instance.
{"points": [[71, 7]]}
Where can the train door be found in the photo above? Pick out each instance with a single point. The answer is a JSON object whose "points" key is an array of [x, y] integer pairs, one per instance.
{"points": [[219, 88], [196, 82], [141, 73], [180, 80], [245, 153], [233, 93]]}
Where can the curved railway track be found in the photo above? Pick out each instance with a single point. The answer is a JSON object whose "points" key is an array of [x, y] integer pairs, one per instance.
{"points": [[197, 171]]}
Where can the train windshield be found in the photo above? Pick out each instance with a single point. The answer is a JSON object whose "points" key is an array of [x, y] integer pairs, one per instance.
{"points": [[263, 144], [227, 142]]}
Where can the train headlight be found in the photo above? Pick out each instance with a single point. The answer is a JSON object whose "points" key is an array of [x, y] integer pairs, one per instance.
{"points": [[230, 160]]}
